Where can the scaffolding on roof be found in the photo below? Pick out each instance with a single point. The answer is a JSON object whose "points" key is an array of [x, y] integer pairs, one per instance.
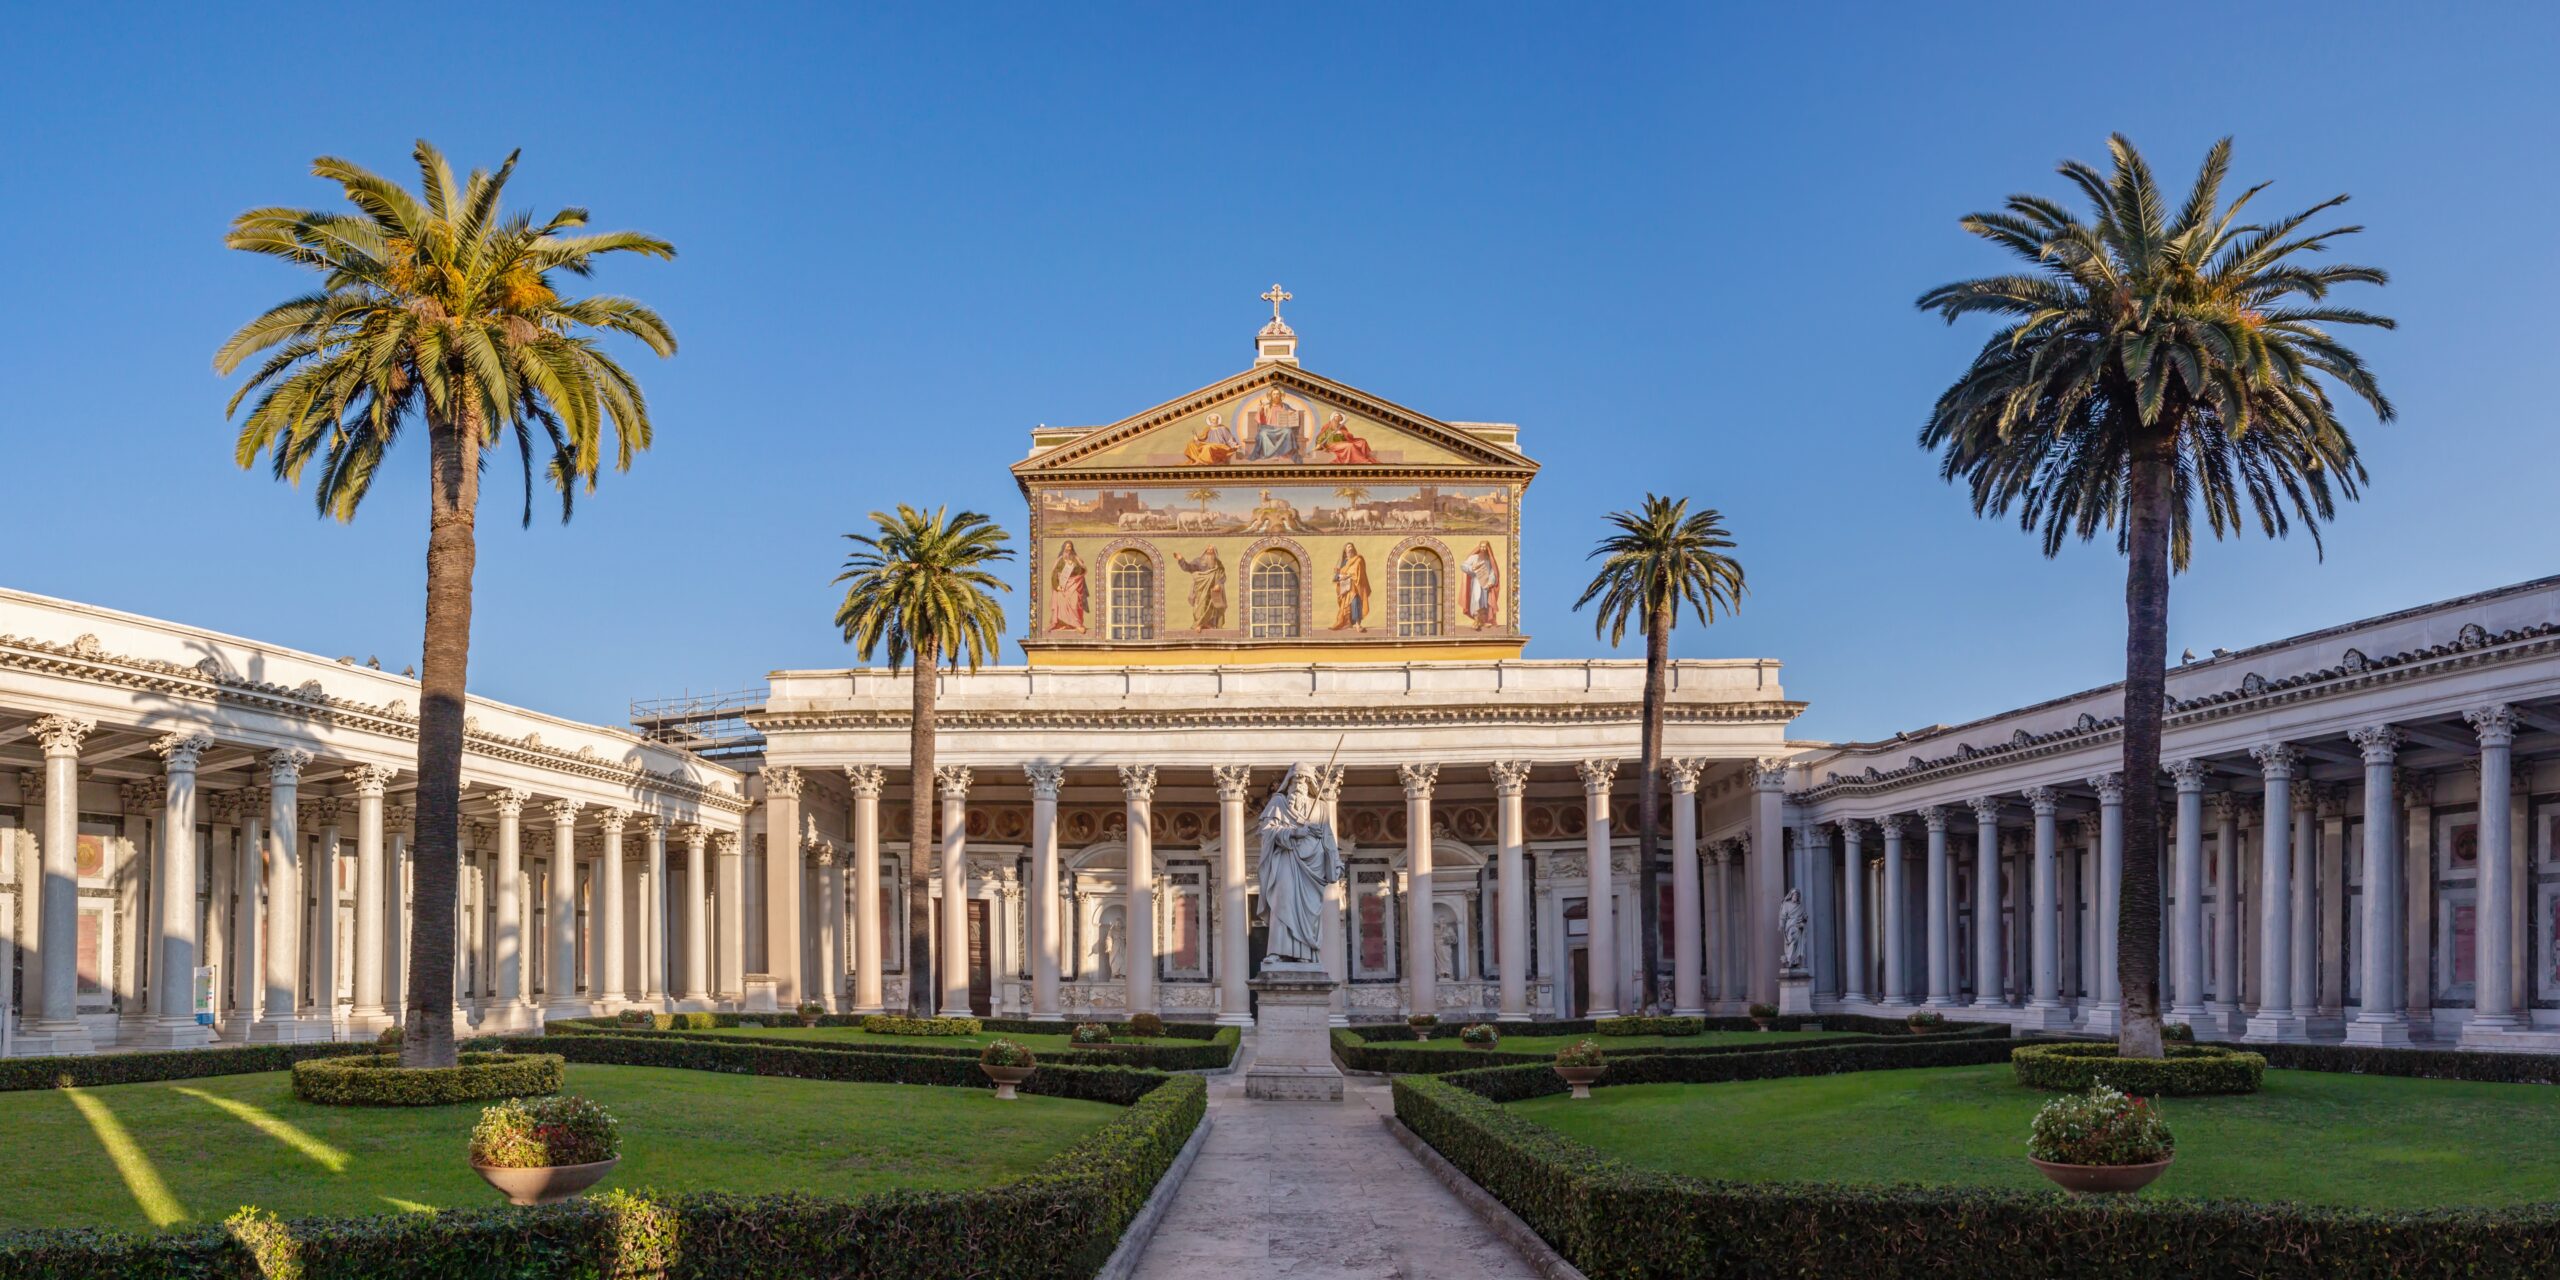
{"points": [[712, 725]]}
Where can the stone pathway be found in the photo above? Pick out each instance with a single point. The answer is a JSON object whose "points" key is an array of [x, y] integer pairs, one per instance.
{"points": [[1316, 1191]]}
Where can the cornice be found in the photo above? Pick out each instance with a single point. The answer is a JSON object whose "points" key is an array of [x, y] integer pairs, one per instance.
{"points": [[2473, 647], [1246, 718], [207, 684]]}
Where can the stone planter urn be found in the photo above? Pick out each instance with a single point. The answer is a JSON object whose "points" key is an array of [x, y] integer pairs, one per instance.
{"points": [[808, 1019], [1582, 1078], [547, 1184], [1480, 1044], [1006, 1078], [2101, 1179]]}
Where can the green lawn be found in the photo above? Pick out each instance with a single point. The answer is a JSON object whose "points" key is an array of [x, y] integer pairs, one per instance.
{"points": [[137, 1155], [1034, 1041], [2313, 1137], [1447, 1038]]}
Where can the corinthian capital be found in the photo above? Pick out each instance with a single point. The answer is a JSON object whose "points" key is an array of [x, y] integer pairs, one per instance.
{"points": [[179, 750], [2043, 800], [284, 765], [865, 779], [511, 801], [565, 812], [1232, 780], [1769, 773], [61, 735], [371, 780], [1510, 777], [1418, 779], [783, 782], [1045, 779], [1597, 775], [1138, 781], [2380, 743], [2495, 723], [952, 780], [1682, 774], [2276, 760], [2188, 774], [2110, 787]]}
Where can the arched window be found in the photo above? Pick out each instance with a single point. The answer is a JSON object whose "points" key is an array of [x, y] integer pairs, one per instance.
{"points": [[1133, 597], [1418, 594], [1272, 602]]}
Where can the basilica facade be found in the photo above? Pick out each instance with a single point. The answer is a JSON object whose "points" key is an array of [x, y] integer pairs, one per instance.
{"points": [[204, 837]]}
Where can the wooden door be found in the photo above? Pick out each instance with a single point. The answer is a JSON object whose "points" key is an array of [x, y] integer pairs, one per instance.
{"points": [[981, 972], [1581, 983]]}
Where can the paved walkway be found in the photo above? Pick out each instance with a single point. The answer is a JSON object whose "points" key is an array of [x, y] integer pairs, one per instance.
{"points": [[1316, 1191]]}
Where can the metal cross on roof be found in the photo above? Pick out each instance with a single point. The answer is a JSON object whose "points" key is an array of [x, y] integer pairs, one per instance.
{"points": [[1275, 297]]}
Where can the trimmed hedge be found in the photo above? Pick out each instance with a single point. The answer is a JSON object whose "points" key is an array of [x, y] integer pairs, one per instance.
{"points": [[898, 1024], [1637, 1025], [1376, 1032], [378, 1079], [89, 1071], [1613, 1219], [1394, 1059], [1117, 1085], [1216, 1053], [2420, 1064], [1063, 1219], [1509, 1084], [2190, 1070]]}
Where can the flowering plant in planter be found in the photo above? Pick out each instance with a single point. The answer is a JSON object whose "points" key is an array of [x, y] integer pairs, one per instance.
{"points": [[1006, 1063], [544, 1133], [1146, 1026], [810, 1011], [2101, 1140], [1922, 1020], [2181, 1032], [1479, 1035], [1761, 1013], [634, 1018], [1089, 1033], [1582, 1053], [1422, 1023]]}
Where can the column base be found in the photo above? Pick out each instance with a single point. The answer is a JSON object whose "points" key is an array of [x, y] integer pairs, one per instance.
{"points": [[869, 1010], [294, 1030], [171, 1033], [2103, 1019], [1681, 1012], [2228, 1019], [564, 1009], [368, 1023], [1337, 1018], [2277, 1028], [63, 1039], [2387, 1030], [2196, 1016], [1292, 1050], [1942, 1003], [1235, 1020], [507, 1015], [2498, 1032], [2052, 1016], [1896, 1002]]}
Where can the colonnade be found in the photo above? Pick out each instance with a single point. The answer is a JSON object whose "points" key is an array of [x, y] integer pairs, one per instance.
{"points": [[266, 914]]}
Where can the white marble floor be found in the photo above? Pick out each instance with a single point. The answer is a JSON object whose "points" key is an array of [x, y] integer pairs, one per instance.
{"points": [[1316, 1191]]}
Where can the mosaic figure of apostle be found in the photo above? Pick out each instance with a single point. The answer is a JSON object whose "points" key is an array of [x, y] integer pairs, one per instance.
{"points": [[1208, 589], [1351, 590], [1299, 857]]}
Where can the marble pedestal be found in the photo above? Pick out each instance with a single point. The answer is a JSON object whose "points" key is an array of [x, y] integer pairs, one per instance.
{"points": [[1293, 1037], [1795, 994]]}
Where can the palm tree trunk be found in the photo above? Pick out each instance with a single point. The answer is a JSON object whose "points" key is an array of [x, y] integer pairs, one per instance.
{"points": [[921, 850], [1657, 660], [2146, 660], [444, 658]]}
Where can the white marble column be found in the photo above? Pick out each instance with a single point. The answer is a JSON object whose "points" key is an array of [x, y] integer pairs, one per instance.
{"points": [[248, 913], [560, 905], [1897, 929], [870, 944], [507, 1008], [729, 976], [1853, 910], [2186, 935], [827, 869], [399, 911], [1138, 785], [221, 869], [55, 1025], [2276, 1019], [320, 927], [2306, 917], [2381, 1020], [782, 868], [1334, 944], [2493, 972], [1938, 930], [282, 969], [1045, 938], [1511, 888], [369, 1013], [173, 886], [1235, 953], [1422, 945], [2108, 1012], [697, 918], [612, 993], [1764, 881], [951, 781], [2224, 1008], [1601, 957], [133, 864], [1688, 935], [1988, 988], [2044, 1001], [654, 897]]}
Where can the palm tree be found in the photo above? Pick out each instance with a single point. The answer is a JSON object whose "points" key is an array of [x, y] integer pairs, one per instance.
{"points": [[1660, 558], [438, 307], [920, 586], [2150, 364], [1203, 495]]}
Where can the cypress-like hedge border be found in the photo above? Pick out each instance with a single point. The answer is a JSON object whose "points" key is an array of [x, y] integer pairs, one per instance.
{"points": [[2190, 1070], [1392, 1058], [1063, 1219], [378, 1079], [1216, 1052], [92, 1070], [1377, 1032], [1614, 1219], [1640, 1025]]}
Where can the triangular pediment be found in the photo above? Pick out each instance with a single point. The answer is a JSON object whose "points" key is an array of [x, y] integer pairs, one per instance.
{"points": [[1274, 419]]}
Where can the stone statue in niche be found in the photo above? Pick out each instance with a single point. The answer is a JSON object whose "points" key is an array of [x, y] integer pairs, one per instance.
{"points": [[1299, 857], [1791, 923]]}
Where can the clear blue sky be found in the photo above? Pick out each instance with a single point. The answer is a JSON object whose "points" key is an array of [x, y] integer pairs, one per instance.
{"points": [[1679, 248]]}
